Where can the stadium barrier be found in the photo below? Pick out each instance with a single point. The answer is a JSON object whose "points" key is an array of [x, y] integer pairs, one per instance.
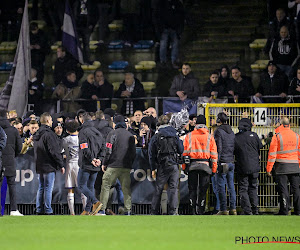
{"points": [[265, 117]]}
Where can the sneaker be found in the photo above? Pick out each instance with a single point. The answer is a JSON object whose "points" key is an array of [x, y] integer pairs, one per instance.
{"points": [[109, 212], [223, 213], [15, 213], [85, 213], [232, 212], [96, 207], [127, 213], [101, 213]]}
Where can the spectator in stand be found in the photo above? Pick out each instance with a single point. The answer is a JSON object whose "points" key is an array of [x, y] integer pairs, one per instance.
{"points": [[64, 64], [11, 18], [39, 49], [284, 51], [68, 89], [53, 12], [86, 18], [224, 75], [130, 11], [35, 91], [294, 5], [214, 88], [87, 91], [131, 87], [168, 19], [12, 149], [100, 88], [150, 112], [185, 85], [273, 5], [240, 87], [104, 7], [294, 87], [272, 82], [280, 20]]}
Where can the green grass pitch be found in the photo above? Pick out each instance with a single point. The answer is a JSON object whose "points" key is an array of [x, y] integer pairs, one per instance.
{"points": [[144, 232]]}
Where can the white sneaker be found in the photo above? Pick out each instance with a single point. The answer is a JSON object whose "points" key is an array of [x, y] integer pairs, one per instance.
{"points": [[15, 213]]}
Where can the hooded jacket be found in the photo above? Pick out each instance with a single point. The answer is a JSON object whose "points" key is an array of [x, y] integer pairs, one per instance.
{"points": [[12, 149], [47, 151], [165, 130], [188, 84], [246, 149], [201, 145], [224, 137], [91, 146], [120, 148]]}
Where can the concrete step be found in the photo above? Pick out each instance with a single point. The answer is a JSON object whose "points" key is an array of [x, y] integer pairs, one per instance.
{"points": [[226, 45], [230, 29], [210, 55], [225, 37], [231, 21]]}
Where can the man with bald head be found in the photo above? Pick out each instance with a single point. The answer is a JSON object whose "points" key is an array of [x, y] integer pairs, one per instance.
{"points": [[284, 156]]}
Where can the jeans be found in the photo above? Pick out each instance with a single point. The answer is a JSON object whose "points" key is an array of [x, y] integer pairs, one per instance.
{"points": [[165, 36], [221, 182], [46, 183], [86, 181], [216, 192]]}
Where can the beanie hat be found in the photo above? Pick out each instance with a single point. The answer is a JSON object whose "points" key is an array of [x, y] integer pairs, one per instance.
{"points": [[201, 119], [147, 120]]}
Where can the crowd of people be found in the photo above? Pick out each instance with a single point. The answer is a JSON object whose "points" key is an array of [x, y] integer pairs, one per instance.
{"points": [[96, 152]]}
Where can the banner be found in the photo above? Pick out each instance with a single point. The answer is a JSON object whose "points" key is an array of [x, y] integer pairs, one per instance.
{"points": [[174, 106], [142, 184]]}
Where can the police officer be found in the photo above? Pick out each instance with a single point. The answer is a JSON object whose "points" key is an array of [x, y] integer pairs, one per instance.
{"points": [[284, 155], [201, 147], [164, 148]]}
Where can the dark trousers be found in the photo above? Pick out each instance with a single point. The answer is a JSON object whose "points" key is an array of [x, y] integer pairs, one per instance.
{"points": [[170, 175], [86, 181], [284, 197], [248, 188], [198, 180], [12, 192]]}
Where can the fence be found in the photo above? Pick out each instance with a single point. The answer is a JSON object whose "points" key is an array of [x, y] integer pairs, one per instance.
{"points": [[265, 118]]}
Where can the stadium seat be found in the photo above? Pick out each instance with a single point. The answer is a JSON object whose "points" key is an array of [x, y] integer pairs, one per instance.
{"points": [[259, 65], [148, 86], [258, 44], [116, 25], [94, 66], [118, 65], [116, 44], [145, 65], [55, 45], [144, 44], [116, 85], [6, 66], [93, 45], [8, 46]]}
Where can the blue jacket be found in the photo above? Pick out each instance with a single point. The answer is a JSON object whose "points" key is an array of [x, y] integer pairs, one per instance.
{"points": [[165, 130], [224, 138]]}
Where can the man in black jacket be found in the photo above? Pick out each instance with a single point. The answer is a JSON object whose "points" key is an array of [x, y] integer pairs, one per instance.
{"points": [[164, 148], [12, 149], [246, 149], [185, 85], [273, 82], [224, 137], [131, 87], [117, 163], [48, 160], [91, 153], [64, 64]]}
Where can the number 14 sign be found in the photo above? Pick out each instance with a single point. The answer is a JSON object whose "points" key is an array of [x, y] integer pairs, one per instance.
{"points": [[260, 116]]}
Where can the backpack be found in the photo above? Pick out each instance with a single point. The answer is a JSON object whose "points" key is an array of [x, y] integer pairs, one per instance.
{"points": [[166, 148]]}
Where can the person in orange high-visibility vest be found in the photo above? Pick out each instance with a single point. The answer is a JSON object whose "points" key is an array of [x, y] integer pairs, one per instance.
{"points": [[284, 155], [201, 147]]}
